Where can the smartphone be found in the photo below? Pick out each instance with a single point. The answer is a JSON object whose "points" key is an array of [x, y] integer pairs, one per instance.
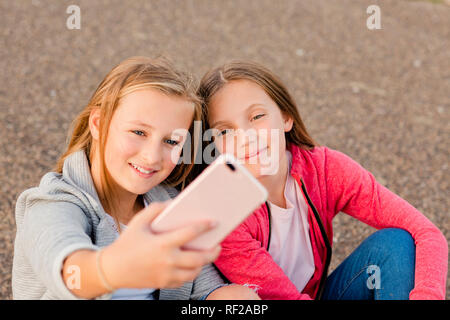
{"points": [[225, 192]]}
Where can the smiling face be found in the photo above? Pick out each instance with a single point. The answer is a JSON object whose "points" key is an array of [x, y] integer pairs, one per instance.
{"points": [[145, 137], [249, 125]]}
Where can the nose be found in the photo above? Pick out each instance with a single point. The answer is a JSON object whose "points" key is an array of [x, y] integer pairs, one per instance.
{"points": [[246, 139], [152, 154]]}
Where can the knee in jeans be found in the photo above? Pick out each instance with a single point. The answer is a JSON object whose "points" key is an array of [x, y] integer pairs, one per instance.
{"points": [[398, 241], [397, 235], [400, 253]]}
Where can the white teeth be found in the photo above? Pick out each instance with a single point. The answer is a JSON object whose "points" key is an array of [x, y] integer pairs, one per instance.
{"points": [[140, 169]]}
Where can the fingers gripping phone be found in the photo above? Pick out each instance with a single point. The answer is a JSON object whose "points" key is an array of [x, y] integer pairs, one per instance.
{"points": [[225, 192]]}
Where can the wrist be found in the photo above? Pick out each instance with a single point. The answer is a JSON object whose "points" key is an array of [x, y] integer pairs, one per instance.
{"points": [[107, 269]]}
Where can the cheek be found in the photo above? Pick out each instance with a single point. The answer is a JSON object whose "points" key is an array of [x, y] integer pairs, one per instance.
{"points": [[171, 157], [227, 145], [274, 134], [129, 145], [120, 148]]}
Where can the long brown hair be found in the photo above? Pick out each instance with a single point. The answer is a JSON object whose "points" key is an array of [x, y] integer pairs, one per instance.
{"points": [[215, 79], [132, 74]]}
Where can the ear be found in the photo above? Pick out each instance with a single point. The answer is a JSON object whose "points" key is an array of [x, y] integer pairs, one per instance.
{"points": [[288, 123], [94, 123]]}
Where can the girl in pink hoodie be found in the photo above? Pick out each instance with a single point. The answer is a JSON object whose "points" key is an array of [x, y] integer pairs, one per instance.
{"points": [[283, 250]]}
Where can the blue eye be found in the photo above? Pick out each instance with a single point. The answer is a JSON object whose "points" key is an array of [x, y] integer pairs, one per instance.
{"points": [[224, 132], [259, 116], [138, 132], [172, 142]]}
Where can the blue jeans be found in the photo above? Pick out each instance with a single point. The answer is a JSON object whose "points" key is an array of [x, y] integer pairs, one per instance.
{"points": [[381, 268]]}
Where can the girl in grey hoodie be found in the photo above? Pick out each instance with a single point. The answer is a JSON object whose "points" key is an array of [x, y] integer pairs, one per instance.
{"points": [[84, 232]]}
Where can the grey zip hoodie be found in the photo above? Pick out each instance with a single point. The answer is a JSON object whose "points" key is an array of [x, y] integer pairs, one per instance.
{"points": [[63, 215]]}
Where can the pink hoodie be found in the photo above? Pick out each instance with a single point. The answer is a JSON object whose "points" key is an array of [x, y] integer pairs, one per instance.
{"points": [[332, 182]]}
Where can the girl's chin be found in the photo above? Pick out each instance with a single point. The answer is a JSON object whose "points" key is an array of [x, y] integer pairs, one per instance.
{"points": [[260, 171], [137, 186]]}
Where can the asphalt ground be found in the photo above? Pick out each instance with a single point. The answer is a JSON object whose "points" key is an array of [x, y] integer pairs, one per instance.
{"points": [[380, 96]]}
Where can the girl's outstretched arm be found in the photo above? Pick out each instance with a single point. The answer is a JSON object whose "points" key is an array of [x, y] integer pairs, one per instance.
{"points": [[58, 246]]}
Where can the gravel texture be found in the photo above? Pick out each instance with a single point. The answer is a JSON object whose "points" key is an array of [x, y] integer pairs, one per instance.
{"points": [[380, 96]]}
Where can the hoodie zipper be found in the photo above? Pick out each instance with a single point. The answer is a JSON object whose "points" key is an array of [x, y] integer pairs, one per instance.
{"points": [[327, 243], [270, 225], [324, 235]]}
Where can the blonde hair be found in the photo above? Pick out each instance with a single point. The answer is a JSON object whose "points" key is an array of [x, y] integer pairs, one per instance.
{"points": [[128, 76], [215, 79]]}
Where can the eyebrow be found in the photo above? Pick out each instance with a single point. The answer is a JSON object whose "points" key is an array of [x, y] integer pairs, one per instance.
{"points": [[246, 109], [139, 123]]}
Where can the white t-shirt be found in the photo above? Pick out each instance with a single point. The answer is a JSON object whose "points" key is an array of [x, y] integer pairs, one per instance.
{"points": [[290, 245], [131, 293]]}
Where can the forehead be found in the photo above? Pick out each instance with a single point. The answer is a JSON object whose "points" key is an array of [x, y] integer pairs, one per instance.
{"points": [[155, 108], [235, 97]]}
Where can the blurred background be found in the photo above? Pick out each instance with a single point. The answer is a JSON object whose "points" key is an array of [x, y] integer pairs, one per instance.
{"points": [[380, 96]]}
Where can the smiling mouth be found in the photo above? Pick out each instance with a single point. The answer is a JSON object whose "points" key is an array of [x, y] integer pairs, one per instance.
{"points": [[143, 172], [254, 154]]}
